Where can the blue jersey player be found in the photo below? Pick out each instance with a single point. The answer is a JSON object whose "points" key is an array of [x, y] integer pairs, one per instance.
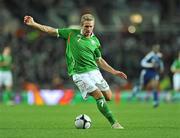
{"points": [[152, 65]]}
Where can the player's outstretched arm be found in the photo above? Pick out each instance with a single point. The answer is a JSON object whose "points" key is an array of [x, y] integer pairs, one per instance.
{"points": [[28, 20], [104, 65]]}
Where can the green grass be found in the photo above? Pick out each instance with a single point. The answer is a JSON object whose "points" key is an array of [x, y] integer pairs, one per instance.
{"points": [[139, 119]]}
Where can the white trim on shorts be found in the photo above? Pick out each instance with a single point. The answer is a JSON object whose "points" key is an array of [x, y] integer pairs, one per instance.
{"points": [[6, 78], [176, 81], [90, 81]]}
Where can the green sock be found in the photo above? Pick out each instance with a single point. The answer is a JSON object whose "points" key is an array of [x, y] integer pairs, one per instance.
{"points": [[7, 96], [103, 108]]}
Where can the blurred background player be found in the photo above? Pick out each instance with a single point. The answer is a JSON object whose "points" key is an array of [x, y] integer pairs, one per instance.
{"points": [[6, 81], [175, 68], [152, 65], [83, 56]]}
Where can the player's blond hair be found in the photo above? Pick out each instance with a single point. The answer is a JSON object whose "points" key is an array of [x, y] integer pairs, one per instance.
{"points": [[87, 17]]}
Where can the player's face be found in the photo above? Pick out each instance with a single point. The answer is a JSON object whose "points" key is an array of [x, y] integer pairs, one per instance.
{"points": [[87, 28], [156, 48], [7, 51]]}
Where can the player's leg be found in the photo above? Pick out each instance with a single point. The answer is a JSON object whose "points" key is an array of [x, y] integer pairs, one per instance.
{"points": [[151, 83], [176, 85], [107, 94], [102, 105], [1, 81], [1, 93], [103, 91], [154, 86], [87, 85], [8, 83], [103, 108], [137, 88], [102, 85]]}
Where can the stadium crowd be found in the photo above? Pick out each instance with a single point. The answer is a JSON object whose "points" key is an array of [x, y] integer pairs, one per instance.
{"points": [[40, 59]]}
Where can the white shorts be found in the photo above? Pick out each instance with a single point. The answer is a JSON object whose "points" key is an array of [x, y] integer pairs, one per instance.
{"points": [[6, 78], [176, 81], [89, 82]]}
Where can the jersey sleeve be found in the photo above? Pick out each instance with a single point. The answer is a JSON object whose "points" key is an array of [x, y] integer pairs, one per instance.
{"points": [[174, 64], [63, 33], [144, 61], [98, 52], [98, 49]]}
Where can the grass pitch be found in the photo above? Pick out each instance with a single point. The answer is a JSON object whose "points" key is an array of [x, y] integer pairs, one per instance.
{"points": [[140, 120]]}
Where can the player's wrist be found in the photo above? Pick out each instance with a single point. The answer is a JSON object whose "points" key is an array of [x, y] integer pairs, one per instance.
{"points": [[114, 72], [34, 24]]}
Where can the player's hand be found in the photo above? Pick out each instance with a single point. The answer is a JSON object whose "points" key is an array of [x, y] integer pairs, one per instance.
{"points": [[120, 74], [155, 65], [28, 20]]}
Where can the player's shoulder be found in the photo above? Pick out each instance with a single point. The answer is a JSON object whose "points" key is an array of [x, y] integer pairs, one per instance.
{"points": [[70, 29], [149, 54], [95, 37], [74, 31], [97, 41], [74, 28]]}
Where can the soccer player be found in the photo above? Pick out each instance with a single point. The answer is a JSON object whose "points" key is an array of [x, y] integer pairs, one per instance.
{"points": [[152, 66], [83, 56], [175, 68], [6, 74]]}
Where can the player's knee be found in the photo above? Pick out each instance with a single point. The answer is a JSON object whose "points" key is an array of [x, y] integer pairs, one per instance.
{"points": [[107, 95], [96, 94], [108, 98]]}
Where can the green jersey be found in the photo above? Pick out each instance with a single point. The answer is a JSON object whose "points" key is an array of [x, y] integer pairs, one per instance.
{"points": [[176, 64], [81, 52], [8, 60]]}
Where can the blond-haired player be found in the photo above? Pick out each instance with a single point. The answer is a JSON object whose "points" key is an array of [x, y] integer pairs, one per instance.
{"points": [[83, 58]]}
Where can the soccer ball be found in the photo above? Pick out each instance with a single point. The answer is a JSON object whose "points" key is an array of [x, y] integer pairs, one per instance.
{"points": [[83, 121]]}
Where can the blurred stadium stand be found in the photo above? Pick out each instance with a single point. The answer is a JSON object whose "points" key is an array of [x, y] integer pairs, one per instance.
{"points": [[126, 28]]}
